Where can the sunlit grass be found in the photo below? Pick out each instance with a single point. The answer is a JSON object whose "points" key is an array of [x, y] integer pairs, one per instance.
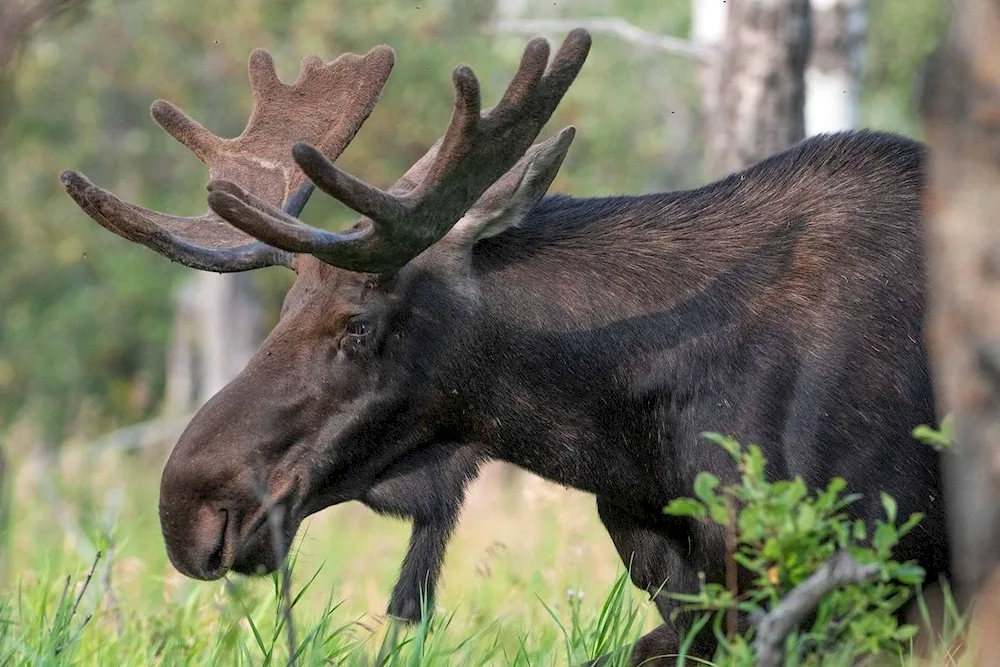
{"points": [[531, 578]]}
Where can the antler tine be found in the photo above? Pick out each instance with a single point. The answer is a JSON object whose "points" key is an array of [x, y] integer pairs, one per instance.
{"points": [[270, 224], [349, 190], [139, 226], [529, 72], [565, 67], [371, 201], [477, 149], [459, 137], [325, 105]]}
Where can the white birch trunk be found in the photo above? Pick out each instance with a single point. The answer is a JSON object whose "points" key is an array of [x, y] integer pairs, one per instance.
{"points": [[833, 77], [761, 82], [229, 324], [708, 27], [216, 331]]}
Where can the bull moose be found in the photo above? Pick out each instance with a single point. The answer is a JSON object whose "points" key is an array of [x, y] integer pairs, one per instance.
{"points": [[469, 317]]}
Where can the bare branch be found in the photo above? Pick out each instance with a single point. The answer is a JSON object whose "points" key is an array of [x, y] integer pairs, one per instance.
{"points": [[773, 627], [18, 20], [86, 583], [609, 26], [76, 605]]}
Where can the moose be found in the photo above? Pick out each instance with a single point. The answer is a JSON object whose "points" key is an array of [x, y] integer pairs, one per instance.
{"points": [[468, 316]]}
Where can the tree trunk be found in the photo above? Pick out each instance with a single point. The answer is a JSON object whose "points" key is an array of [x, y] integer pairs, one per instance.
{"points": [[216, 331], [708, 28], [180, 390], [18, 21], [833, 78], [961, 106], [229, 320], [761, 82]]}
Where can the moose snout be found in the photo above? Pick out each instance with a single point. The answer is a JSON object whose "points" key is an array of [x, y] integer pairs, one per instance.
{"points": [[217, 492], [201, 545], [212, 529]]}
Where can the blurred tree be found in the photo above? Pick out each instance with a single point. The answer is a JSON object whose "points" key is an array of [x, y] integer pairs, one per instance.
{"points": [[833, 76], [216, 330], [961, 101], [19, 19], [761, 84], [708, 28]]}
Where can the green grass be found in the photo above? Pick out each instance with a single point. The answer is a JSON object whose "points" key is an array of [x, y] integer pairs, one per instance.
{"points": [[531, 578]]}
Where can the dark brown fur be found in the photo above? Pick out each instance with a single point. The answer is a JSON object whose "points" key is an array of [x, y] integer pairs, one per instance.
{"points": [[591, 343]]}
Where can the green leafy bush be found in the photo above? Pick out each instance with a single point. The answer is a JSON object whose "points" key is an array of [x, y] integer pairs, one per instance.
{"points": [[783, 534]]}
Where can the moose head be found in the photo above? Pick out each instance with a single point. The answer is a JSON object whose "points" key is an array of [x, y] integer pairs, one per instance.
{"points": [[358, 383]]}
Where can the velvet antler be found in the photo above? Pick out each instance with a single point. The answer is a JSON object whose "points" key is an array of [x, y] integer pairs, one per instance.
{"points": [[477, 151], [325, 106]]}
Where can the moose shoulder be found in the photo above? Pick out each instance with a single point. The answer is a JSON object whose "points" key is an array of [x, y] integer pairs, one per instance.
{"points": [[468, 317]]}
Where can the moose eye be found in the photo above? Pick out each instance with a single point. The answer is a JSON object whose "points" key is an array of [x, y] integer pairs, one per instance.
{"points": [[357, 328]]}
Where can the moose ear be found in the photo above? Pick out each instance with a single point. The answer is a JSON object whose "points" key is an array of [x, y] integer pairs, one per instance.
{"points": [[506, 203]]}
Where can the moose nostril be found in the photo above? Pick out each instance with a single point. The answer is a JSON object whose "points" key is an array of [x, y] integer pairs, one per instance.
{"points": [[216, 564], [202, 542]]}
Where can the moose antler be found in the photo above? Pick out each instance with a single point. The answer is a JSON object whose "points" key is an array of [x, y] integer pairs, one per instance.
{"points": [[325, 105], [476, 151]]}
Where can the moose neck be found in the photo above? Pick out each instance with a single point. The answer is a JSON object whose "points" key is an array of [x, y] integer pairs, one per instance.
{"points": [[577, 264]]}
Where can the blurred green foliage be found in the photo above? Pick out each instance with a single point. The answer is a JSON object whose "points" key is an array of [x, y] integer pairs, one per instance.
{"points": [[86, 316], [901, 35]]}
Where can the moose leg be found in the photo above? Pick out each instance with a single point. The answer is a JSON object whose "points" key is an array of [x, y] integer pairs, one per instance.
{"points": [[429, 489], [656, 564]]}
